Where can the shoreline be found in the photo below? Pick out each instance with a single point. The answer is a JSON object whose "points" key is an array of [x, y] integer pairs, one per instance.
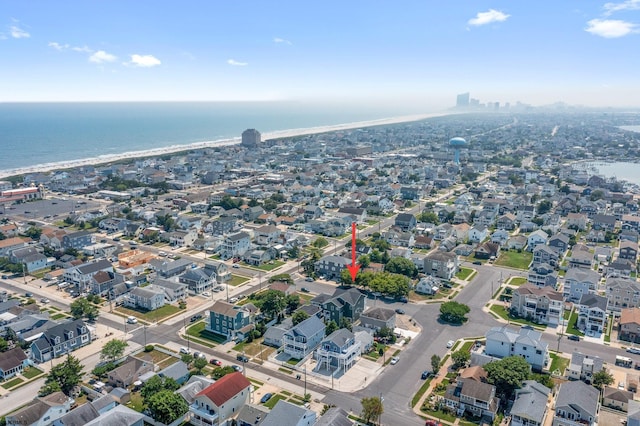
{"points": [[108, 158]]}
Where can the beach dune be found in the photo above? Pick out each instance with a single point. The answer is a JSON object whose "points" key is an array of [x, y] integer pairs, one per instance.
{"points": [[104, 159]]}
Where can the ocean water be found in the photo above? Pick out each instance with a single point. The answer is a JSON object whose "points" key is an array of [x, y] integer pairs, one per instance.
{"points": [[620, 170], [32, 134]]}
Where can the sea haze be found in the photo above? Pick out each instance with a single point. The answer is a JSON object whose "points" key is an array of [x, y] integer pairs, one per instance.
{"points": [[42, 133]]}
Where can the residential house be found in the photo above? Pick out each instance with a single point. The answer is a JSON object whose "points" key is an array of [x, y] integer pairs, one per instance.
{"points": [[220, 401], [12, 362], [428, 285], [583, 367], [475, 398], [581, 257], [517, 242], [345, 303], [506, 222], [536, 238], [559, 243], [578, 281], [199, 279], [377, 318], [77, 240], [628, 250], [577, 221], [543, 275], [285, 413], [59, 340], [129, 371], [81, 275], [620, 268], [228, 320], [358, 215], [478, 233], [505, 341], [629, 325], [303, 338], [42, 411], [622, 293], [267, 235], [339, 351], [9, 244], [500, 236], [79, 416], [331, 267], [616, 398], [178, 371], [543, 305], [334, 416], [545, 254], [604, 222], [405, 221], [31, 259], [441, 264], [530, 405], [166, 268], [274, 334], [487, 250], [222, 225], [633, 416], [592, 313], [173, 291], [577, 404], [102, 282], [148, 298], [220, 269], [235, 245], [183, 238]]}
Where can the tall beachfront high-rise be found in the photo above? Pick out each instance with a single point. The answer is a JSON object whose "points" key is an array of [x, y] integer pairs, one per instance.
{"points": [[462, 100], [251, 138]]}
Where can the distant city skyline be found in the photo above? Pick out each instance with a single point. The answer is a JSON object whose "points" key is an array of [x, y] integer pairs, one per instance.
{"points": [[408, 53]]}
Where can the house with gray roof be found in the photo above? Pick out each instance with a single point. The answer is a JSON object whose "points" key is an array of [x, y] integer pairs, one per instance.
{"points": [[79, 416], [229, 320], [526, 342], [173, 291], [303, 338], [194, 385], [12, 362], [331, 266], [148, 298], [344, 303], [633, 413], [592, 313], [378, 317], [441, 264], [274, 334], [477, 398], [252, 415], [43, 410], [198, 279], [334, 416], [577, 404], [578, 281], [288, 414], [169, 268], [178, 371], [617, 399], [339, 351], [81, 275], [583, 367], [129, 371], [530, 405], [59, 340], [121, 415]]}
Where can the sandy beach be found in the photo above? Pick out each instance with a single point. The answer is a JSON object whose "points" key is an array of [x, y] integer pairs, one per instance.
{"points": [[105, 159]]}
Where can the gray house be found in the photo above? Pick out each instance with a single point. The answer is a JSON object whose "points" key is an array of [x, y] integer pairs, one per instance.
{"points": [[577, 403], [302, 339], [530, 405], [59, 340], [377, 318]]}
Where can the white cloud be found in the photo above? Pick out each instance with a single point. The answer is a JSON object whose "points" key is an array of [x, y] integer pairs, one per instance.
{"points": [[282, 40], [58, 46], [101, 57], [144, 61], [610, 28], [83, 49], [236, 63], [610, 8], [483, 18], [17, 32]]}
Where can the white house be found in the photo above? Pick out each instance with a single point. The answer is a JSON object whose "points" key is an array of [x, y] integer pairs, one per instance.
{"points": [[505, 341], [535, 238], [220, 401]]}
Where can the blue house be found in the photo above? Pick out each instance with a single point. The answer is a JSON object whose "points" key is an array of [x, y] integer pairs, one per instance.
{"points": [[229, 320], [77, 240], [303, 338], [59, 340]]}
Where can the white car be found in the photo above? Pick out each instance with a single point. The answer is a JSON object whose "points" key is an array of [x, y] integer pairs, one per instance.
{"points": [[206, 294], [450, 344], [184, 350], [132, 320], [394, 360], [233, 300]]}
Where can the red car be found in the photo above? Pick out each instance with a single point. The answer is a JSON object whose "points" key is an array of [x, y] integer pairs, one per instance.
{"points": [[433, 423], [215, 362]]}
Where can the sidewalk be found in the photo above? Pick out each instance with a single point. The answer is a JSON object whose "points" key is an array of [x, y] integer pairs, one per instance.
{"points": [[442, 373]]}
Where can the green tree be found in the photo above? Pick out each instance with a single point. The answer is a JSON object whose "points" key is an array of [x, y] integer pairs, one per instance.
{"points": [[602, 378], [507, 374], [460, 358], [428, 217], [544, 206], [320, 242], [364, 261], [292, 301], [372, 409], [402, 266], [82, 308], [166, 406], [435, 363], [219, 372], [298, 317], [330, 328], [273, 303], [453, 312], [64, 376], [157, 384], [4, 346], [113, 349], [199, 363]]}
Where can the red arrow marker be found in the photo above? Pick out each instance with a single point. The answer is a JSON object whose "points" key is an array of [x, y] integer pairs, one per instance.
{"points": [[353, 268]]}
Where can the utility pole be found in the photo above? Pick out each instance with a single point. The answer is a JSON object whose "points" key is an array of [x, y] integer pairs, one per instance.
{"points": [[305, 381]]}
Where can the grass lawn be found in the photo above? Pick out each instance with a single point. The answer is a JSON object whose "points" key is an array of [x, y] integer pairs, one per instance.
{"points": [[270, 266], [421, 391], [466, 346], [571, 327], [58, 316], [136, 402], [285, 370], [11, 383], [293, 361], [31, 372], [442, 415], [442, 294], [464, 273], [513, 259], [304, 297], [197, 330], [517, 281], [558, 363], [150, 316], [274, 400], [502, 312], [237, 280]]}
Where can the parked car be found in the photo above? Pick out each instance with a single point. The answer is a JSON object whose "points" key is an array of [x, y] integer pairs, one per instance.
{"points": [[28, 294], [394, 360], [184, 350], [634, 351], [44, 300], [450, 344], [237, 368], [304, 290], [477, 262], [233, 300], [573, 337], [242, 358], [309, 279], [403, 299], [400, 311], [425, 375], [235, 266], [267, 396], [196, 317], [215, 362], [206, 294]]}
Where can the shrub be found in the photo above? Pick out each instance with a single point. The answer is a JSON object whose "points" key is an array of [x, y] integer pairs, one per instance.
{"points": [[148, 348]]}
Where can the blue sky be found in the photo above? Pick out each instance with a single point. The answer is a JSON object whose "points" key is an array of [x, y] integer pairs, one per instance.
{"points": [[406, 52]]}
